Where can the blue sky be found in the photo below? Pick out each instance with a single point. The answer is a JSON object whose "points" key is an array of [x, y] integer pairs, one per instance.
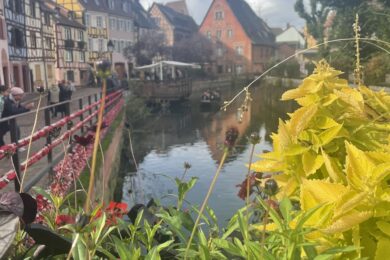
{"points": [[277, 13]]}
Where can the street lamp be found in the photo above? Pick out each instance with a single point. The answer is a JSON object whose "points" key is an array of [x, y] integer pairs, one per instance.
{"points": [[110, 46]]}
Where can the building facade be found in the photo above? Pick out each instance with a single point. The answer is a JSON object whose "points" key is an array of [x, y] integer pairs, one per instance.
{"points": [[4, 61], [39, 39], [174, 25], [121, 32], [71, 50], [243, 43], [14, 12]]}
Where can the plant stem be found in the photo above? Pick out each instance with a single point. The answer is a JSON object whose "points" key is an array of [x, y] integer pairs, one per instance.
{"points": [[248, 179], [132, 150], [206, 200], [184, 174], [95, 148], [30, 142]]}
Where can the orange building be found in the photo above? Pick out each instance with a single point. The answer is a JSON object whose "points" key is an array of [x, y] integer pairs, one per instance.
{"points": [[243, 42]]}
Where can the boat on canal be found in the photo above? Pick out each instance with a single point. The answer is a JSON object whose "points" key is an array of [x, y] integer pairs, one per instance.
{"points": [[165, 82]]}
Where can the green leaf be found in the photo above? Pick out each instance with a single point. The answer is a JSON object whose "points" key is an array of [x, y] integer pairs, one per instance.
{"points": [[328, 135], [301, 118], [229, 247], [285, 207], [311, 162]]}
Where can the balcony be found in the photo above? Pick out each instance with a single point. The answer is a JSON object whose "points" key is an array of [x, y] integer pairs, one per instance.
{"points": [[69, 44], [81, 45], [97, 32]]}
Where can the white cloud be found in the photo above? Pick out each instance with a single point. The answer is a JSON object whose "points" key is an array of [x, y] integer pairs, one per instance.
{"points": [[277, 13]]}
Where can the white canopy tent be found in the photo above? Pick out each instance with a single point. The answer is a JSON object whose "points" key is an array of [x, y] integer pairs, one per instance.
{"points": [[170, 64]]}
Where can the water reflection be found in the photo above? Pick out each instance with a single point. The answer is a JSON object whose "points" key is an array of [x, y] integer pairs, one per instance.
{"points": [[194, 135]]}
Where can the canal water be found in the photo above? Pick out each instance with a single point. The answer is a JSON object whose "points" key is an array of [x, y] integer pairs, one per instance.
{"points": [[195, 135]]}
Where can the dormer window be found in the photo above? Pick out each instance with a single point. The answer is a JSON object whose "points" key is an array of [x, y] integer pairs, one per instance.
{"points": [[111, 4], [97, 2]]}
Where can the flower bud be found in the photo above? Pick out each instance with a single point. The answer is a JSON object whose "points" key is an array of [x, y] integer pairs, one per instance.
{"points": [[231, 137], [255, 138], [271, 187]]}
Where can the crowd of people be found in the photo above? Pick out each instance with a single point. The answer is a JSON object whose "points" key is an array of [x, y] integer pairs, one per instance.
{"points": [[10, 104]]}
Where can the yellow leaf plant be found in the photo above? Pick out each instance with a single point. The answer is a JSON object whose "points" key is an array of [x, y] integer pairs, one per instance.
{"points": [[334, 151]]}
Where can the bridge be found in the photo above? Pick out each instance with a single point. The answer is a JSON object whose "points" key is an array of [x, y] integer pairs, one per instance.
{"points": [[58, 150]]}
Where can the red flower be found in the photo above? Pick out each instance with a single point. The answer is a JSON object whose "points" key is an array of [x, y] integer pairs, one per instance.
{"points": [[84, 140], [113, 211], [64, 219], [116, 209]]}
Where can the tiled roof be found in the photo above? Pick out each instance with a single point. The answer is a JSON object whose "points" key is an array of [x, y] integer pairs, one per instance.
{"points": [[103, 6], [63, 20], [59, 17], [253, 25], [178, 20], [141, 17]]}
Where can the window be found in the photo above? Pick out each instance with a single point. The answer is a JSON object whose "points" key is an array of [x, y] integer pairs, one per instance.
{"points": [[129, 26], [33, 40], [99, 22], [100, 45], [68, 34], [68, 56], [46, 19], [87, 20], [82, 56], [111, 4], [97, 2], [239, 69], [230, 33], [90, 44], [15, 5], [219, 15], [2, 34], [112, 23], [16, 38], [239, 50], [157, 21], [219, 34], [219, 51], [208, 34], [70, 75], [32, 8], [48, 43], [81, 35]]}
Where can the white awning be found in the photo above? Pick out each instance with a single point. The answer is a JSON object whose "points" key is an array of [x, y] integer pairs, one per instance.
{"points": [[170, 64]]}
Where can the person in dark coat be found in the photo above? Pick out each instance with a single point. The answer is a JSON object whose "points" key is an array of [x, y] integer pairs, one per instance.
{"points": [[12, 106], [65, 95]]}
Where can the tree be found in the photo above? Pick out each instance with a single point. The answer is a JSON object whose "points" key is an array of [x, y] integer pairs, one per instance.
{"points": [[149, 46], [315, 19], [196, 49]]}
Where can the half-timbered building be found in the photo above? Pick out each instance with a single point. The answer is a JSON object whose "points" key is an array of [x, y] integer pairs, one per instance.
{"points": [[93, 14], [14, 12], [48, 43], [4, 59], [71, 49], [34, 40]]}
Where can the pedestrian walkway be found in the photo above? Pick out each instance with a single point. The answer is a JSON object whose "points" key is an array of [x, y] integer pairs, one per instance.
{"points": [[26, 124]]}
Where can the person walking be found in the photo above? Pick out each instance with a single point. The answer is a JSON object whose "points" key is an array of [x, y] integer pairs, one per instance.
{"points": [[13, 106], [54, 98], [3, 93]]}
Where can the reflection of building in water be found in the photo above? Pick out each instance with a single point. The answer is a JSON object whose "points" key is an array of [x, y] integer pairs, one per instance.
{"points": [[169, 130], [214, 132]]}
